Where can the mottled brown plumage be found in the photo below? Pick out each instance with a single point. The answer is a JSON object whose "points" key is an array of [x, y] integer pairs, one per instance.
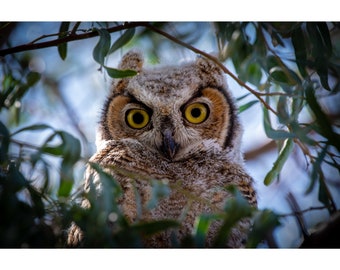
{"points": [[179, 125]]}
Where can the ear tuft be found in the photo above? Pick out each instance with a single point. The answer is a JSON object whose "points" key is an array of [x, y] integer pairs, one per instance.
{"points": [[132, 60], [211, 72], [207, 65]]}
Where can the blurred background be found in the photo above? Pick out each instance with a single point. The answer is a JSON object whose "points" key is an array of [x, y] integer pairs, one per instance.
{"points": [[71, 93]]}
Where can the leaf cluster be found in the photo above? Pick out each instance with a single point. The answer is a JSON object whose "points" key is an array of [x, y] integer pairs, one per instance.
{"points": [[38, 217], [292, 82]]}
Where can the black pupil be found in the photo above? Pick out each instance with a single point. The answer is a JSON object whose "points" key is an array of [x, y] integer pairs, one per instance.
{"points": [[138, 118], [195, 112]]}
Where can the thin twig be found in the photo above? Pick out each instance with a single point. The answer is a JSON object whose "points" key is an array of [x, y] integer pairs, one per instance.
{"points": [[75, 28], [304, 149], [273, 94], [23, 144], [43, 37], [313, 208], [262, 149], [298, 214]]}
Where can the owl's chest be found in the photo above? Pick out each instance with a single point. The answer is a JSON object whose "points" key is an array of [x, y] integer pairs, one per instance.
{"points": [[198, 174], [199, 182], [193, 175], [194, 189]]}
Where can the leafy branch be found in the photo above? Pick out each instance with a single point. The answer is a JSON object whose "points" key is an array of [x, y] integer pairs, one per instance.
{"points": [[71, 36]]}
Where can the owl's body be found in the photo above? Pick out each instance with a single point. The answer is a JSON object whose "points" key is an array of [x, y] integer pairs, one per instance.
{"points": [[177, 125]]}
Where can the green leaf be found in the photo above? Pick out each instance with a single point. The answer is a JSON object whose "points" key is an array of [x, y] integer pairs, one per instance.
{"points": [[36, 197], [4, 139], [159, 191], [276, 39], [46, 176], [66, 179], [317, 174], [282, 110], [119, 73], [283, 75], [72, 147], [235, 209], [321, 50], [323, 194], [242, 51], [8, 81], [272, 133], [152, 227], [272, 62], [102, 48], [33, 128], [298, 104], [224, 32], [300, 49], [320, 38], [265, 221], [322, 120], [201, 229], [32, 78], [326, 38], [278, 75], [111, 189], [62, 48], [242, 97], [321, 66], [250, 70], [53, 150], [122, 40], [247, 105], [316, 170], [281, 160], [19, 89], [69, 150], [17, 180], [254, 73]]}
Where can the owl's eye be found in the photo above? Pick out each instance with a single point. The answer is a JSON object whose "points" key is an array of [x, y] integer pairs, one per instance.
{"points": [[196, 113], [137, 118]]}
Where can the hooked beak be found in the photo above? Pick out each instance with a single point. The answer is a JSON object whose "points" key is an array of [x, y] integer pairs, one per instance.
{"points": [[169, 146]]}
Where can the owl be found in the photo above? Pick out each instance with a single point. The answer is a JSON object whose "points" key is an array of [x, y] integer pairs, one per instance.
{"points": [[177, 125]]}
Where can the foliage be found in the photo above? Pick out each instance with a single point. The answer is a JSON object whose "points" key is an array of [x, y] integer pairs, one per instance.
{"points": [[289, 88]]}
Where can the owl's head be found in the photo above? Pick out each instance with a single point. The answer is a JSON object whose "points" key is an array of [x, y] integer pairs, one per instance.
{"points": [[173, 111]]}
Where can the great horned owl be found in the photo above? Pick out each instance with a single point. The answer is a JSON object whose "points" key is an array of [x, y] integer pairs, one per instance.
{"points": [[177, 124]]}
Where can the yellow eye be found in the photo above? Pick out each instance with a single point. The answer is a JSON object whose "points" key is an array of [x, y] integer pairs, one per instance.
{"points": [[137, 118], [196, 113]]}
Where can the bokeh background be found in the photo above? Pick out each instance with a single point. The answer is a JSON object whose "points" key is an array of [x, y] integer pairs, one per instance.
{"points": [[71, 93]]}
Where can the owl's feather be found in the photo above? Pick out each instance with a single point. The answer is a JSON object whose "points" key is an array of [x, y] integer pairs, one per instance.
{"points": [[200, 157]]}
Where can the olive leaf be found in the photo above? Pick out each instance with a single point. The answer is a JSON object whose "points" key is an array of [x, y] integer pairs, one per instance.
{"points": [[62, 48]]}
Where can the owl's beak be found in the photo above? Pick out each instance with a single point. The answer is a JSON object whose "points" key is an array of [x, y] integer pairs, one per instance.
{"points": [[169, 146]]}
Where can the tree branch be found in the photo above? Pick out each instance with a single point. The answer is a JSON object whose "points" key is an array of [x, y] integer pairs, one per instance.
{"points": [[215, 60], [313, 208], [326, 236], [71, 37], [262, 149]]}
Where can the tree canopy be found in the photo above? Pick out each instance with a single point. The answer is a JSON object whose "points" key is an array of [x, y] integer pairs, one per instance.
{"points": [[289, 74]]}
